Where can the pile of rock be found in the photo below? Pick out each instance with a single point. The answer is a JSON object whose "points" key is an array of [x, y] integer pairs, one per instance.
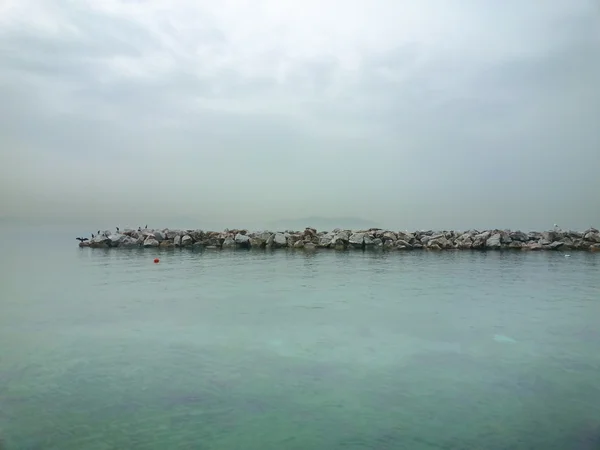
{"points": [[339, 239]]}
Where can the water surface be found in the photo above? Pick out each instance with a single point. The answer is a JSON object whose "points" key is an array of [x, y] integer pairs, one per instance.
{"points": [[102, 349]]}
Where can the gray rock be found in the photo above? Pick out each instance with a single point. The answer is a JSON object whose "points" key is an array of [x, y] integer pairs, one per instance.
{"points": [[592, 236], [229, 242], [115, 240], [494, 242], [186, 241], [177, 240], [242, 240], [172, 234], [534, 246], [279, 240], [369, 241], [326, 240], [388, 244], [151, 242], [357, 240], [518, 236], [556, 245], [389, 236]]}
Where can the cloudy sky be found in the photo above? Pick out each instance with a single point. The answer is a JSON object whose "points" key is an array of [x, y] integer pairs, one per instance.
{"points": [[436, 113]]}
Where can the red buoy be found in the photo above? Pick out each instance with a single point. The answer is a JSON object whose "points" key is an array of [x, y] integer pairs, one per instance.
{"points": [[156, 260]]}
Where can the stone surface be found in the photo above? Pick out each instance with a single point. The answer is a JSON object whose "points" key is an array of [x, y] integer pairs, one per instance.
{"points": [[338, 239]]}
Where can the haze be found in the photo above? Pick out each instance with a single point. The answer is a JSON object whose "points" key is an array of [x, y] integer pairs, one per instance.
{"points": [[428, 114]]}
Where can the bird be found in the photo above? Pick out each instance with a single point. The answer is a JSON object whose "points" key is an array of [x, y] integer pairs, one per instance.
{"points": [[98, 232], [146, 227], [80, 239], [139, 228], [92, 235], [117, 229]]}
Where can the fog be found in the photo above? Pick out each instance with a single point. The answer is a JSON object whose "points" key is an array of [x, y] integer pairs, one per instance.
{"points": [[410, 115]]}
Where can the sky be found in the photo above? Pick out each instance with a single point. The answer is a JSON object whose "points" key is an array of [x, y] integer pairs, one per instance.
{"points": [[413, 115]]}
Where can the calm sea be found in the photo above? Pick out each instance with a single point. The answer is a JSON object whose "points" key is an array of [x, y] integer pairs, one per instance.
{"points": [[284, 351]]}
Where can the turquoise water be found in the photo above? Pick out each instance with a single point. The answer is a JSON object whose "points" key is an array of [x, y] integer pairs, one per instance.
{"points": [[103, 349]]}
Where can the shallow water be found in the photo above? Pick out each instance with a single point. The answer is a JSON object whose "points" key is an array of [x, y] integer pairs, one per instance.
{"points": [[103, 349]]}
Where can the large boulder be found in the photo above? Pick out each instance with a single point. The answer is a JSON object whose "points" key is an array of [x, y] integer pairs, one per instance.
{"points": [[130, 242], [592, 236], [186, 241], [494, 242], [151, 242], [326, 240], [357, 240], [279, 240], [99, 241], [229, 242], [171, 234], [177, 240], [242, 240]]}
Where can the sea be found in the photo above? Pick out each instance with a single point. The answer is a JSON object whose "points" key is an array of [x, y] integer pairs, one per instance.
{"points": [[287, 350]]}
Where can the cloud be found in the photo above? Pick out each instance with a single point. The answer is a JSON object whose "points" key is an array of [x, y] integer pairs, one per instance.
{"points": [[411, 114]]}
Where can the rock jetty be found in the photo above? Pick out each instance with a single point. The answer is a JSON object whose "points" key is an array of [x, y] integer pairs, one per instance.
{"points": [[310, 238]]}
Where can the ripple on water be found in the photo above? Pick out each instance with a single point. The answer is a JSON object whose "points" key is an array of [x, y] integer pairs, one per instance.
{"points": [[261, 350]]}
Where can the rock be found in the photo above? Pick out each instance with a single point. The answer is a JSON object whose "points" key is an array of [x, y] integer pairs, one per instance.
{"points": [[326, 240], [518, 236], [389, 236], [592, 236], [228, 242], [151, 242], [533, 246], [388, 244], [129, 242], [242, 240], [556, 245], [114, 240], [177, 240], [99, 241], [299, 244], [309, 246], [357, 240], [279, 240], [494, 242], [186, 241]]}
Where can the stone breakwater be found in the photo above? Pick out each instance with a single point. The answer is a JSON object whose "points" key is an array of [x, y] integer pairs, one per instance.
{"points": [[588, 240]]}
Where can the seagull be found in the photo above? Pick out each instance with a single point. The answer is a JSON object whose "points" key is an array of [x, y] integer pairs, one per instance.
{"points": [[80, 239], [92, 235], [117, 229]]}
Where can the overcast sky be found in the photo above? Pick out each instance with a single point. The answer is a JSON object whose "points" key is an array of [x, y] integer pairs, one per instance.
{"points": [[413, 114]]}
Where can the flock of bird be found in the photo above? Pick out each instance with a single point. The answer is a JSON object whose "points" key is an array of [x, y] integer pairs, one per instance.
{"points": [[82, 239]]}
